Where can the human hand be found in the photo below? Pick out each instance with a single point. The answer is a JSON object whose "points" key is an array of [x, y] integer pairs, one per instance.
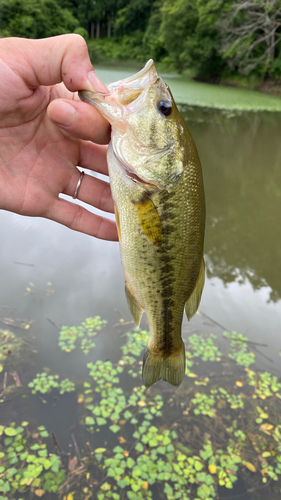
{"points": [[45, 132]]}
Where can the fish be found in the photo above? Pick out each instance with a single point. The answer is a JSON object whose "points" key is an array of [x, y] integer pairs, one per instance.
{"points": [[157, 187]]}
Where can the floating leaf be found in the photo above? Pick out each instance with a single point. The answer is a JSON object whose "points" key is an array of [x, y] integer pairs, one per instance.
{"points": [[266, 428], [100, 450], [10, 431], [121, 439], [39, 492], [212, 469], [250, 466], [89, 421], [114, 428], [141, 403]]}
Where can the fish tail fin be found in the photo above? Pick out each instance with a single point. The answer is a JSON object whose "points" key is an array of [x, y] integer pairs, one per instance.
{"points": [[157, 366]]}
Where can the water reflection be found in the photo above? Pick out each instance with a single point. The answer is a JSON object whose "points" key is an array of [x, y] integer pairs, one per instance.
{"points": [[241, 156]]}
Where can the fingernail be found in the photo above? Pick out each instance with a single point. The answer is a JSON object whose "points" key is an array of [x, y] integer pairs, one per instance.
{"points": [[95, 82], [62, 113]]}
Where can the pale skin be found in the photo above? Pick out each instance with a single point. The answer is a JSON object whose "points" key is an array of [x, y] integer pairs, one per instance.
{"points": [[46, 132]]}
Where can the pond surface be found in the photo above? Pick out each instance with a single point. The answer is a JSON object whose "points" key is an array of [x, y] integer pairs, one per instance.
{"points": [[51, 276]]}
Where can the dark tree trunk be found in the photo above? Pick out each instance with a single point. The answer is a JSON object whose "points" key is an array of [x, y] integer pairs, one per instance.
{"points": [[109, 27], [98, 30], [92, 31]]}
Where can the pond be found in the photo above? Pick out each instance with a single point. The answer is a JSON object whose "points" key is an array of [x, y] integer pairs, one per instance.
{"points": [[86, 427]]}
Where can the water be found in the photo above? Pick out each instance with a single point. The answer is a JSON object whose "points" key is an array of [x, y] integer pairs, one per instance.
{"points": [[74, 276]]}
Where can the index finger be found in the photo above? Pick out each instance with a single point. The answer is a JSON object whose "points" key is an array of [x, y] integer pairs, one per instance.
{"points": [[53, 60]]}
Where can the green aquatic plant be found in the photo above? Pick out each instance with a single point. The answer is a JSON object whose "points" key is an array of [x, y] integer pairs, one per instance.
{"points": [[239, 349], [44, 384], [84, 333], [13, 348], [26, 466], [265, 384], [204, 348], [186, 442]]}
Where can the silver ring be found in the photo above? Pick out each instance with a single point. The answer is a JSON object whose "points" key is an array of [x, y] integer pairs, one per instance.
{"points": [[78, 186]]}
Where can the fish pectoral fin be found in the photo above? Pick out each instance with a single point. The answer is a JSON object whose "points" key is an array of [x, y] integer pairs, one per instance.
{"points": [[117, 220], [149, 219], [193, 302], [169, 368], [135, 308]]}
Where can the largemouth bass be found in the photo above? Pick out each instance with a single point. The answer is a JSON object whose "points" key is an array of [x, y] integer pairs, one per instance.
{"points": [[157, 187]]}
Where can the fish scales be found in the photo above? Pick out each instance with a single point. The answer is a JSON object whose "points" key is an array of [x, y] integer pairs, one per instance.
{"points": [[157, 186]]}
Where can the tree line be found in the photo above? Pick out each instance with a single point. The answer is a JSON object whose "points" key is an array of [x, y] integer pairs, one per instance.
{"points": [[213, 38]]}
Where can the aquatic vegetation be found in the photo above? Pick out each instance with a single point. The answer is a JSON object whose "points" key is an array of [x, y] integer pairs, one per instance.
{"points": [[25, 463], [186, 442], [12, 348], [44, 384], [68, 337], [204, 348], [239, 350]]}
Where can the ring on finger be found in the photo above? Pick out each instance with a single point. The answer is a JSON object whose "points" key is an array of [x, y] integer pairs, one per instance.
{"points": [[78, 185]]}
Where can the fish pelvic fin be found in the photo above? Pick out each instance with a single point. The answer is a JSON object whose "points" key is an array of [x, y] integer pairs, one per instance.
{"points": [[160, 366], [135, 308], [193, 302]]}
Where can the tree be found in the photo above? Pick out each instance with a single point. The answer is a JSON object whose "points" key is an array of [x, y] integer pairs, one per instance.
{"points": [[35, 18], [250, 34]]}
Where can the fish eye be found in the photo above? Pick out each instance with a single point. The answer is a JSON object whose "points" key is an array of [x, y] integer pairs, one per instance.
{"points": [[164, 107]]}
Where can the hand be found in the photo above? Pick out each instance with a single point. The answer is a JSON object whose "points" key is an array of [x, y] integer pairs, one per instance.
{"points": [[45, 132]]}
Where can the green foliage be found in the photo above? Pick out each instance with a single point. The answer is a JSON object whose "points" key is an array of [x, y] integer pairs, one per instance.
{"points": [[204, 348], [239, 350], [25, 463], [186, 444], [44, 384], [70, 336], [196, 35], [35, 18], [13, 348]]}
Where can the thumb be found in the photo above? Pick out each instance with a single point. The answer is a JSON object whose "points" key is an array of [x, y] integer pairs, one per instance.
{"points": [[63, 58]]}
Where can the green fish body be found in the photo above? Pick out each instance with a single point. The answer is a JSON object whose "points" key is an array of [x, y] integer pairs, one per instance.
{"points": [[157, 186]]}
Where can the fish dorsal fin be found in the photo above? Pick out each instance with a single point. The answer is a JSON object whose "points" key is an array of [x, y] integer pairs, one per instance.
{"points": [[135, 308], [149, 219], [193, 302]]}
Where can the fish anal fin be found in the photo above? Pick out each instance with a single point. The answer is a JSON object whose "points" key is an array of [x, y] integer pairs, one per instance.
{"points": [[149, 219], [135, 308], [193, 302], [159, 366]]}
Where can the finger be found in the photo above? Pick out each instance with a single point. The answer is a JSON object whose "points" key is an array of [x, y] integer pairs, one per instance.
{"points": [[92, 191], [53, 60], [79, 120], [93, 157], [78, 218]]}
